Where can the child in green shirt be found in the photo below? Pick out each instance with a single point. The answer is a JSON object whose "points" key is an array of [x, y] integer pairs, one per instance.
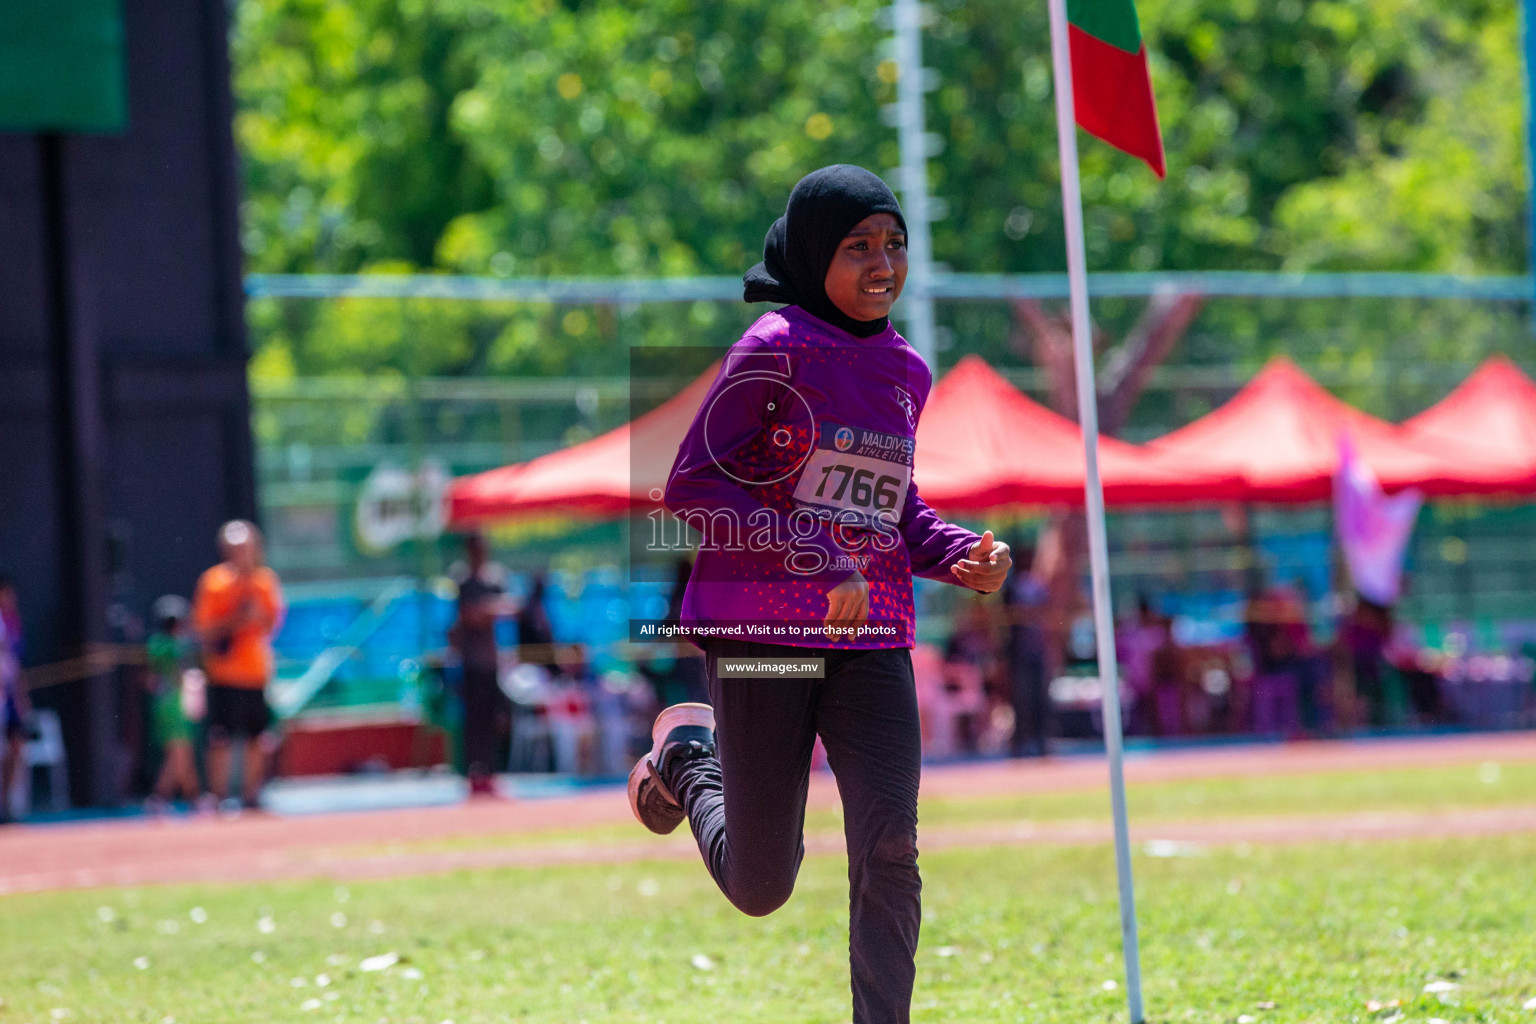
{"points": [[175, 696]]}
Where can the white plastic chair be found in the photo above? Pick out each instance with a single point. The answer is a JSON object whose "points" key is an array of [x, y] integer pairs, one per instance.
{"points": [[571, 727], [530, 736], [527, 687], [47, 752]]}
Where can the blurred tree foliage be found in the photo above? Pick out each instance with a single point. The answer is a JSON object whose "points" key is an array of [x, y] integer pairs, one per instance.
{"points": [[585, 137]]}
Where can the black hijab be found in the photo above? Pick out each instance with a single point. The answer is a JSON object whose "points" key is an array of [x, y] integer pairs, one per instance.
{"points": [[822, 209]]}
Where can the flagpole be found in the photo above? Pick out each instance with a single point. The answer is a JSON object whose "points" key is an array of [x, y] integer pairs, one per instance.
{"points": [[907, 19], [1098, 546]]}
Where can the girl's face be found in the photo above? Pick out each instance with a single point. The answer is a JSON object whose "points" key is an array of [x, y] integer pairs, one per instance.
{"points": [[869, 268]]}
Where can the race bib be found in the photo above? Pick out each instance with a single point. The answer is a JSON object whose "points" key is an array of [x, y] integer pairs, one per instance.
{"points": [[856, 476]]}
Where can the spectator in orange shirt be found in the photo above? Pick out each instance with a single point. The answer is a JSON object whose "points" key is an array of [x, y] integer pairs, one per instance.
{"points": [[236, 610]]}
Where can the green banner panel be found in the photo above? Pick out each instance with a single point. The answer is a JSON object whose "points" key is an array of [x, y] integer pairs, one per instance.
{"points": [[62, 66]]}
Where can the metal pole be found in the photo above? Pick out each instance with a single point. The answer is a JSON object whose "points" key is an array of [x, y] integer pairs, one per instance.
{"points": [[424, 549], [1098, 547], [918, 297], [1528, 41]]}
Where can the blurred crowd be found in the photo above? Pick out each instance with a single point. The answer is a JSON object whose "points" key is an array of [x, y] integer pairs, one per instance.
{"points": [[546, 706], [1277, 678], [202, 667], [1014, 674]]}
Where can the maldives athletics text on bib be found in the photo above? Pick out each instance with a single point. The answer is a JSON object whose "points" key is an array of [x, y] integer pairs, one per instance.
{"points": [[857, 476]]}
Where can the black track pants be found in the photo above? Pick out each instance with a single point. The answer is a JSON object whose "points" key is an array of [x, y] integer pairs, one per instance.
{"points": [[747, 809]]}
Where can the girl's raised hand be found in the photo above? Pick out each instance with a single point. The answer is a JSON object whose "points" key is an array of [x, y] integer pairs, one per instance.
{"points": [[985, 566]]}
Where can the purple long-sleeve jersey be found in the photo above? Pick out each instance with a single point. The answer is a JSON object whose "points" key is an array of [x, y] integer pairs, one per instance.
{"points": [[797, 472]]}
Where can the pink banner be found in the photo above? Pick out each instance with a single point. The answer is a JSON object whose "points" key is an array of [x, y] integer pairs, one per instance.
{"points": [[1373, 528]]}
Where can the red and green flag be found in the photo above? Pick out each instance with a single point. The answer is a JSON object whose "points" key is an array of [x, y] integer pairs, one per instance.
{"points": [[1110, 81]]}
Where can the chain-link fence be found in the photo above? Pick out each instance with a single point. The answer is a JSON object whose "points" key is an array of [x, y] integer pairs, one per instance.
{"points": [[343, 458]]}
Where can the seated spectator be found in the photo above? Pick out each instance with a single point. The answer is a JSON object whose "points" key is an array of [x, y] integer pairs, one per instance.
{"points": [[1135, 644], [15, 708], [1311, 664], [675, 668], [933, 703], [1366, 636], [535, 633], [1169, 681], [1024, 603], [1271, 640], [570, 709], [969, 658]]}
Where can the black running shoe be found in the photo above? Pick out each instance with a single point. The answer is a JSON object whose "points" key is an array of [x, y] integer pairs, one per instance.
{"points": [[681, 732]]}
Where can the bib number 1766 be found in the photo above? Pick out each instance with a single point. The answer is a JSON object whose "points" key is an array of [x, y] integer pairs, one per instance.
{"points": [[853, 487], [848, 485]]}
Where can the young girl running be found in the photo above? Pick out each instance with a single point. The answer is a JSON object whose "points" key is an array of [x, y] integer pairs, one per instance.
{"points": [[797, 472]]}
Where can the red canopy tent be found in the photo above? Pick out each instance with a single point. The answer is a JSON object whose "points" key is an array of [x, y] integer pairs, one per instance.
{"points": [[982, 443], [1489, 421], [605, 476], [1280, 437]]}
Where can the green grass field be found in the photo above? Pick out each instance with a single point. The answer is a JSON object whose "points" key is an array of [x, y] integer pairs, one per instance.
{"points": [[1321, 932]]}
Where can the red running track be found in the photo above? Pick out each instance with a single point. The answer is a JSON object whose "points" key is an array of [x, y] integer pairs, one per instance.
{"points": [[358, 845]]}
